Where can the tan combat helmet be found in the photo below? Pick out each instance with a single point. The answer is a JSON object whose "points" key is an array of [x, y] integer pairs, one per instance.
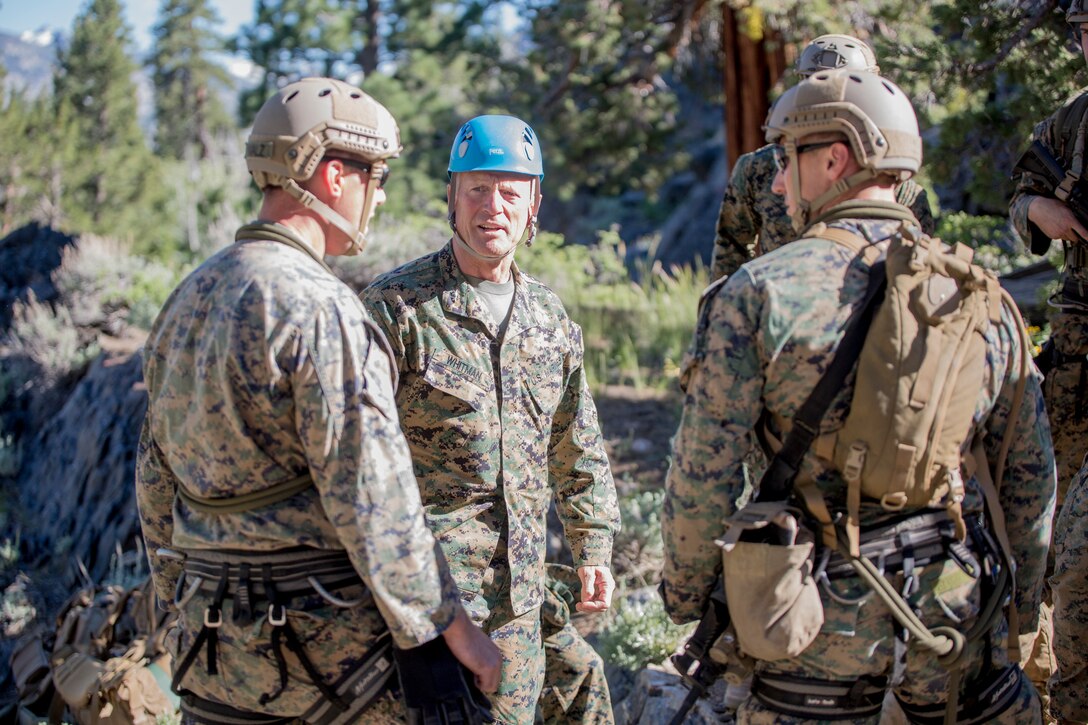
{"points": [[871, 114], [310, 120], [829, 52]]}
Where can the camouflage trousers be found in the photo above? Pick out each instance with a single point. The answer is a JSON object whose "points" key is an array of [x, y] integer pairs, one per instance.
{"points": [[575, 688], [859, 641], [1065, 392], [1069, 685], [1037, 656], [335, 639], [519, 639]]}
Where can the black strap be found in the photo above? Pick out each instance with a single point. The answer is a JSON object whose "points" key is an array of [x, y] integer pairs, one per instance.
{"points": [[363, 684], [198, 710], [810, 699], [777, 480], [209, 633], [282, 630]]}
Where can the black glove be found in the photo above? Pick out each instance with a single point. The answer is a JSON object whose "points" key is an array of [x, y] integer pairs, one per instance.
{"points": [[437, 689]]}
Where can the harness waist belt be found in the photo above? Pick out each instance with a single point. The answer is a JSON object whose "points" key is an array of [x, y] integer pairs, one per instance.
{"points": [[918, 541], [991, 701], [196, 709], [820, 699], [295, 571]]}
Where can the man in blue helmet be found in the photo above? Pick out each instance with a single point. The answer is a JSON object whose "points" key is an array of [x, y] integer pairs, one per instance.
{"points": [[494, 403]]}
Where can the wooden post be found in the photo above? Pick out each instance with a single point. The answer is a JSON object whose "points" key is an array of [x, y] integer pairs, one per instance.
{"points": [[750, 68]]}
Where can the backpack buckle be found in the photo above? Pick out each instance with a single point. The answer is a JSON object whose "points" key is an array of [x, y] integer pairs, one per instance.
{"points": [[956, 489], [894, 501], [855, 462]]}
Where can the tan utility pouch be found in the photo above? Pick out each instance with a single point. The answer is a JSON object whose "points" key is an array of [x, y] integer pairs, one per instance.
{"points": [[119, 691], [773, 599]]}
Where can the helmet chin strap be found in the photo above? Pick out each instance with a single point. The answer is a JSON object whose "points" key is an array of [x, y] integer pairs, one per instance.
{"points": [[356, 233], [802, 215]]}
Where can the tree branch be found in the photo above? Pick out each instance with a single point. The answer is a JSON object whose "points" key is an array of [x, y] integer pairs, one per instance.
{"points": [[1030, 24]]}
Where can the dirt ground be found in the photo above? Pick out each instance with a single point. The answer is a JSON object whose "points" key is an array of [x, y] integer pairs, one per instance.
{"points": [[638, 426]]}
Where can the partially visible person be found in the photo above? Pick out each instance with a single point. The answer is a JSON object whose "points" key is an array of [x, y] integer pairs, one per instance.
{"points": [[752, 219], [1069, 685], [274, 485], [494, 403], [766, 336], [1040, 215]]}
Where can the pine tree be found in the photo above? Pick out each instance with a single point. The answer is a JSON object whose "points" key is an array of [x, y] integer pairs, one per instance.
{"points": [[23, 149], [109, 179], [291, 39], [188, 111]]}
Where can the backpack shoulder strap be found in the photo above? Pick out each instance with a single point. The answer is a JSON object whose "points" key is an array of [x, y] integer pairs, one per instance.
{"points": [[779, 477], [856, 243]]}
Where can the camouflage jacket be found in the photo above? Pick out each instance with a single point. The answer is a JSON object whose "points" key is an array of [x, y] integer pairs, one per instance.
{"points": [[497, 427], [765, 336], [262, 366], [753, 219], [1058, 133]]}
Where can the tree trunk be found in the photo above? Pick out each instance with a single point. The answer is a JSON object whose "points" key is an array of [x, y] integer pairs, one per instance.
{"points": [[750, 69], [367, 23]]}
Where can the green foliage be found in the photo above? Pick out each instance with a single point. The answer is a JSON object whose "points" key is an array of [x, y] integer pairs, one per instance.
{"points": [[593, 85], [291, 39], [639, 551], [48, 339], [16, 609], [210, 198], [981, 73], [108, 179], [392, 242], [188, 112], [636, 327], [104, 275], [989, 236], [640, 634], [25, 145]]}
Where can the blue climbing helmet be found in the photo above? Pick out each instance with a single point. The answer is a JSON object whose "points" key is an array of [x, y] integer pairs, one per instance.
{"points": [[497, 143]]}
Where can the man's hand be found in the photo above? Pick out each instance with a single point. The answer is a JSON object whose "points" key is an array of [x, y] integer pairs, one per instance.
{"points": [[597, 588], [1056, 220], [474, 650]]}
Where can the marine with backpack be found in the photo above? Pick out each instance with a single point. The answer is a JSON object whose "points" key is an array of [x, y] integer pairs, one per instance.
{"points": [[888, 378]]}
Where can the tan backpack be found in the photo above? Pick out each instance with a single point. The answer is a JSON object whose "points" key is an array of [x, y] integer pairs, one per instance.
{"points": [[918, 378], [107, 661], [905, 440]]}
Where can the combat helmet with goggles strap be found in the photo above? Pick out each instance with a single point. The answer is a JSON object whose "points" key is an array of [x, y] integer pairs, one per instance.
{"points": [[869, 113], [500, 144], [316, 119]]}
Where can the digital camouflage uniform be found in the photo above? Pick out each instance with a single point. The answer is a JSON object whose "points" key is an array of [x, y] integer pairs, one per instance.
{"points": [[1069, 686], [262, 366], [1066, 386], [763, 340], [753, 219], [575, 688], [497, 429]]}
